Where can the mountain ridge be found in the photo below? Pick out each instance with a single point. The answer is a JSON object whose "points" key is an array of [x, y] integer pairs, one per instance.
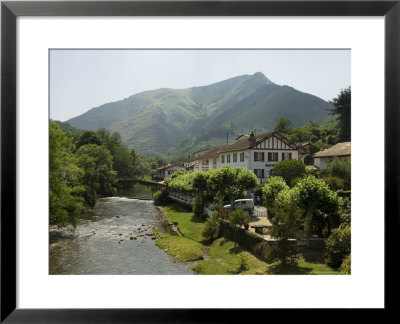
{"points": [[154, 121]]}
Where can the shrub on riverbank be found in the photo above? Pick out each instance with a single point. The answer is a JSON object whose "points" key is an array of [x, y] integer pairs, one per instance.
{"points": [[160, 197]]}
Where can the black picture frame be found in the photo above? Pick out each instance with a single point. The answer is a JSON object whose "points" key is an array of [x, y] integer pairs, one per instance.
{"points": [[11, 10]]}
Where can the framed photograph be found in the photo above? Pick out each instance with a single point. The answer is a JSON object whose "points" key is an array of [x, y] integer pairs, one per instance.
{"points": [[61, 58]]}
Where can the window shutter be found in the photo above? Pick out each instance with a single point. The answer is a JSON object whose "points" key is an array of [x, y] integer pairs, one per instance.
{"points": [[283, 156], [276, 156], [262, 173], [263, 156], [269, 156], [290, 156], [255, 172]]}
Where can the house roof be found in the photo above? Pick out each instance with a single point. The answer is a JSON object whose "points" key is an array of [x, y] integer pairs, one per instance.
{"points": [[210, 154], [169, 166], [243, 144], [340, 149]]}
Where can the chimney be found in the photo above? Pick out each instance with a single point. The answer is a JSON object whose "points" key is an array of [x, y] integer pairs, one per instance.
{"points": [[252, 139]]}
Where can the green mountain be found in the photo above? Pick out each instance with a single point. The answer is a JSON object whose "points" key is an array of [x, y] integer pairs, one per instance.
{"points": [[177, 121]]}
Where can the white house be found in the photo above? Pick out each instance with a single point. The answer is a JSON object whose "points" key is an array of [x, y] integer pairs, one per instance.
{"points": [[208, 160], [340, 150], [257, 153], [167, 170]]}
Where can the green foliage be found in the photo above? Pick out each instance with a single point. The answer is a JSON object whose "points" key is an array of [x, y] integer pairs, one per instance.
{"points": [[335, 183], [340, 168], [272, 188], [212, 228], [289, 170], [345, 267], [65, 194], [88, 137], [241, 263], [345, 219], [238, 217], [97, 163], [197, 205], [287, 219], [342, 109], [282, 125], [338, 246], [313, 195], [160, 197]]}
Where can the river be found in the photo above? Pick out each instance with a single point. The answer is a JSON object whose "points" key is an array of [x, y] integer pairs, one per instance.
{"points": [[111, 239]]}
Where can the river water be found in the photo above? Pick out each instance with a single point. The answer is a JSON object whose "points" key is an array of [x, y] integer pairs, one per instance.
{"points": [[111, 239]]}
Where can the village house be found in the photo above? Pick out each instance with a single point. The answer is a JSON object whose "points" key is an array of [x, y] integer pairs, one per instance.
{"points": [[257, 153], [306, 152], [340, 150], [166, 171]]}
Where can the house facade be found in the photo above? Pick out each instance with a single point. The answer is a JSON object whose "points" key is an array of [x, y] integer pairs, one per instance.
{"points": [[167, 170], [340, 150], [256, 153]]}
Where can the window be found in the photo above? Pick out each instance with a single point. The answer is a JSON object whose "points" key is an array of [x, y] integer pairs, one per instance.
{"points": [[259, 173], [273, 156], [234, 157], [228, 158], [222, 158], [215, 161], [286, 156], [242, 157], [259, 156]]}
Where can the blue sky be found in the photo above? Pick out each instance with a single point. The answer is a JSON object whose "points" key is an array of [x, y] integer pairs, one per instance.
{"points": [[84, 79]]}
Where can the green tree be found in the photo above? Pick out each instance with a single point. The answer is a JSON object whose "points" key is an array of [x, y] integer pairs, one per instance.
{"points": [[314, 196], [340, 168], [272, 188], [342, 108], [65, 191], [282, 125], [88, 137], [287, 218], [97, 163], [289, 170], [228, 182], [338, 246]]}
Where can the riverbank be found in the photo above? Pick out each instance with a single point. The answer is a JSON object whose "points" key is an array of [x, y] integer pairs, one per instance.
{"points": [[223, 256]]}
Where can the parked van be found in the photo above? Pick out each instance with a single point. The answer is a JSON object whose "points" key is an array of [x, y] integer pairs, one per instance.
{"points": [[246, 204]]}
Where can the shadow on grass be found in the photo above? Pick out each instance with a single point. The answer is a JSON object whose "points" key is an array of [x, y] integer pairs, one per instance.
{"points": [[288, 269], [312, 255]]}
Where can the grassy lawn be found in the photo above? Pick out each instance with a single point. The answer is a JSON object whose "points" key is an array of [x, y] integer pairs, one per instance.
{"points": [[180, 248], [223, 253], [223, 260], [189, 225], [311, 261]]}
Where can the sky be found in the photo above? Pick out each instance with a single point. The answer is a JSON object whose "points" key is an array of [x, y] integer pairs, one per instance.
{"points": [[84, 79]]}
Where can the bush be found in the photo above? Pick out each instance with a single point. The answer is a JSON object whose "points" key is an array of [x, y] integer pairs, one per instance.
{"points": [[160, 197], [212, 228], [345, 268], [335, 183], [345, 220], [197, 205], [241, 263], [289, 170], [239, 217], [338, 246], [340, 168]]}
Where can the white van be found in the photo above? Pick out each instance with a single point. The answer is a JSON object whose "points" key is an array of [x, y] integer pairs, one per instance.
{"points": [[246, 204]]}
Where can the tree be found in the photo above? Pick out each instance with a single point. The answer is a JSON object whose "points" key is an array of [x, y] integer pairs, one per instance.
{"points": [[342, 108], [286, 224], [65, 190], [338, 246], [88, 137], [231, 182], [99, 174], [289, 170], [282, 125], [340, 168], [272, 188], [313, 195]]}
